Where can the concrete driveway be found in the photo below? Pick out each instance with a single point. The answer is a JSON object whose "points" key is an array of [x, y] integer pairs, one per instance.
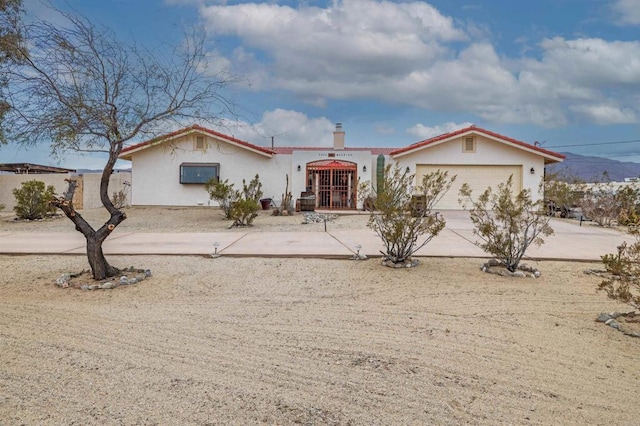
{"points": [[570, 242]]}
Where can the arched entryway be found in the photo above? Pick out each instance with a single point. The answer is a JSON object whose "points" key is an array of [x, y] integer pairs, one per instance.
{"points": [[334, 184]]}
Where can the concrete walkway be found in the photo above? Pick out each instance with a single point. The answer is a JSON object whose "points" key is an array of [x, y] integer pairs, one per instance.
{"points": [[570, 242]]}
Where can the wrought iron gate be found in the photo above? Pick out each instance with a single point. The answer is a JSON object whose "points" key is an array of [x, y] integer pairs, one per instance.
{"points": [[334, 184]]}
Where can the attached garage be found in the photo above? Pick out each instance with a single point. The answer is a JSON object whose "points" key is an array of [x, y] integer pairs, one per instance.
{"points": [[478, 177]]}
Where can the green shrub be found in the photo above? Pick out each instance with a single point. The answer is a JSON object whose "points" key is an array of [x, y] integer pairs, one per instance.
{"points": [[403, 230], [246, 206], [223, 193], [240, 206], [624, 267], [33, 200], [506, 224]]}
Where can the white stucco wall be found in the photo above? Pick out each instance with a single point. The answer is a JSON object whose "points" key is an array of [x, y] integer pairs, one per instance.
{"points": [[488, 152], [302, 158], [156, 171]]}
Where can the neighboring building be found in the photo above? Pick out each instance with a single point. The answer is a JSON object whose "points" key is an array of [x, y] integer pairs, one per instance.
{"points": [[171, 170], [31, 169]]}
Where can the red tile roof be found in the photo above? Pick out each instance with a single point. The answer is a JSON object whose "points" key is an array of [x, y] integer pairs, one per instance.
{"points": [[195, 127], [288, 150], [479, 130]]}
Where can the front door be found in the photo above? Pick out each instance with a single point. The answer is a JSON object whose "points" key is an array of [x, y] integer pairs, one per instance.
{"points": [[334, 184]]}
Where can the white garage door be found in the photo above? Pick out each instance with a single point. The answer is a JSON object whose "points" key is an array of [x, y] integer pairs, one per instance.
{"points": [[478, 178]]}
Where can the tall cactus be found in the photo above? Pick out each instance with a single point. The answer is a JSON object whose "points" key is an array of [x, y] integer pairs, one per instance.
{"points": [[379, 173]]}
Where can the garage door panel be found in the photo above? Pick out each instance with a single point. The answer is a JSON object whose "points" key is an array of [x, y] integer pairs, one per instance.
{"points": [[477, 177]]}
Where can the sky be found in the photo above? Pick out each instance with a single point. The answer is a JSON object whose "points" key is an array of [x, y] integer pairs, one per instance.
{"points": [[564, 73]]}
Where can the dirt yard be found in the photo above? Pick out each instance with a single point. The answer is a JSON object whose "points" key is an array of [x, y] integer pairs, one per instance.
{"points": [[304, 341]]}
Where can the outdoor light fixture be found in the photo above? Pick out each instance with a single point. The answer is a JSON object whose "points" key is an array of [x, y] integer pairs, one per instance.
{"points": [[364, 169], [408, 169], [299, 168], [533, 171], [215, 247]]}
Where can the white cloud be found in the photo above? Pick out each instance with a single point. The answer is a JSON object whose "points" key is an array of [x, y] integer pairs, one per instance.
{"points": [[410, 54], [627, 12], [425, 132], [362, 40], [606, 114], [288, 128]]}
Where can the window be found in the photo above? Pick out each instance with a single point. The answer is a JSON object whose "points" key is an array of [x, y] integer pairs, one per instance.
{"points": [[469, 145], [199, 172], [200, 144]]}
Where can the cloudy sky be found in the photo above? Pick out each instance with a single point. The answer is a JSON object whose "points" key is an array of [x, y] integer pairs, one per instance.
{"points": [[565, 73]]}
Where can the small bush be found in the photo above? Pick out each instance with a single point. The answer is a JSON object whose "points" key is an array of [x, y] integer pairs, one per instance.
{"points": [[119, 198], [607, 206], [33, 200], [403, 230], [223, 193], [240, 206], [506, 224], [624, 267], [246, 206]]}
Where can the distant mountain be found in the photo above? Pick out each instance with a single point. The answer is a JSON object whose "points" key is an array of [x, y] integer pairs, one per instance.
{"points": [[591, 169], [83, 171]]}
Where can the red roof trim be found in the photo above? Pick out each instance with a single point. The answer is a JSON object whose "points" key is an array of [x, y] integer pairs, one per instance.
{"points": [[290, 149], [480, 130], [196, 127]]}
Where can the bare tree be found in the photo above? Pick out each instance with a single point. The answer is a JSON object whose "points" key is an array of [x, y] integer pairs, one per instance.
{"points": [[80, 88], [10, 40]]}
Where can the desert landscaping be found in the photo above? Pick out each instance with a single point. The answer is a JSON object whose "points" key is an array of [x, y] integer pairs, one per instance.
{"points": [[305, 341]]}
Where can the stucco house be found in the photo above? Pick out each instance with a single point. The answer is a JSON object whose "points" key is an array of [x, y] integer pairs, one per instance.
{"points": [[171, 170]]}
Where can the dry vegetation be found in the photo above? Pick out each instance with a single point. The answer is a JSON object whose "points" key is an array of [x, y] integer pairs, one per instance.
{"points": [[306, 341]]}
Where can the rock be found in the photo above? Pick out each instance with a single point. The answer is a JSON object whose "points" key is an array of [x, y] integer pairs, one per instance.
{"points": [[63, 280], [93, 287], [603, 317], [519, 274], [140, 277], [108, 285], [124, 280], [147, 273], [613, 323], [493, 262], [536, 274], [84, 287], [133, 280]]}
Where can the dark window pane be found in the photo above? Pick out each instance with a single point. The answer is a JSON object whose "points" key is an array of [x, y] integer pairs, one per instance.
{"points": [[198, 173]]}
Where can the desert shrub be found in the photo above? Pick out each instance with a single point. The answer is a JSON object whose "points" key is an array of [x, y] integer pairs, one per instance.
{"points": [[628, 199], [401, 232], [603, 204], [223, 193], [507, 225], [33, 200], [1, 207], [624, 266], [561, 193], [245, 208], [119, 198]]}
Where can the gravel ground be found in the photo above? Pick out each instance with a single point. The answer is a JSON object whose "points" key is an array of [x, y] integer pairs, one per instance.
{"points": [[306, 341]]}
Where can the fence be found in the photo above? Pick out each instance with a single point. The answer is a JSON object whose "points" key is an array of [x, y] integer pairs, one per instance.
{"points": [[87, 195]]}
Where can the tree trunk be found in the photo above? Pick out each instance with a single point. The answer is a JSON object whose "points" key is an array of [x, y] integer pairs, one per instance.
{"points": [[100, 268]]}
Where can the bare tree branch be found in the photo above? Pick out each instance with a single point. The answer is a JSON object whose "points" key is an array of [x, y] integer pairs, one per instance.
{"points": [[79, 88]]}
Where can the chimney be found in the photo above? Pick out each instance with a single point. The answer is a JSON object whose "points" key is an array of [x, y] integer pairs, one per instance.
{"points": [[338, 137]]}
